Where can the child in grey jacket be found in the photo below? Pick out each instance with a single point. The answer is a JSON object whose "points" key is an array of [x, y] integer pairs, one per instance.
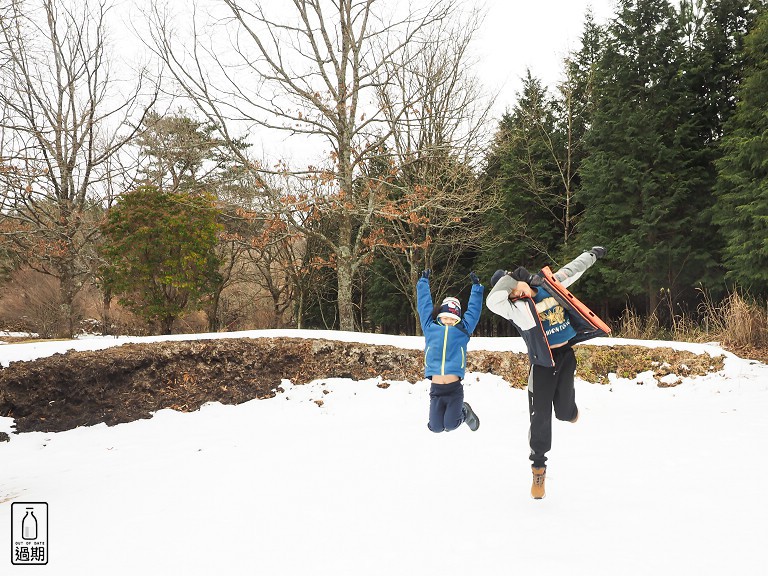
{"points": [[550, 325]]}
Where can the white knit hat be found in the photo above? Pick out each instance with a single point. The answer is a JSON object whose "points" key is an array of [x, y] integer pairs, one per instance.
{"points": [[450, 308]]}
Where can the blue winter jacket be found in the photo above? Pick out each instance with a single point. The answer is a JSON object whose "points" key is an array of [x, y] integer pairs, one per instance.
{"points": [[445, 349]]}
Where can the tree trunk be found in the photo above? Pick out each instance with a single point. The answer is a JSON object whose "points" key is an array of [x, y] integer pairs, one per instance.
{"points": [[300, 309], [653, 300], [106, 312], [345, 268], [166, 324], [213, 315], [344, 275], [276, 313], [68, 290]]}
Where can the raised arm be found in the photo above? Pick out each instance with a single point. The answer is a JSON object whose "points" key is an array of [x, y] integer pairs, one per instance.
{"points": [[498, 299], [424, 304], [516, 311], [475, 304], [572, 271]]}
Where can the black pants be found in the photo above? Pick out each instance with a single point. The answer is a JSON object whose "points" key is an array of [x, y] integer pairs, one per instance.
{"points": [[446, 403], [548, 388]]}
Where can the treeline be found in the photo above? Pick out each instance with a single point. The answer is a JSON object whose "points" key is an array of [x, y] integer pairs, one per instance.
{"points": [[652, 144]]}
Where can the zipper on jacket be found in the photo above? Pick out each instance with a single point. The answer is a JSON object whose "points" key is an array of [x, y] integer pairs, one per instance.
{"points": [[541, 327], [445, 347]]}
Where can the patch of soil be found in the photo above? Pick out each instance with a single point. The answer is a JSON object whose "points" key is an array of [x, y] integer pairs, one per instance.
{"points": [[130, 382]]}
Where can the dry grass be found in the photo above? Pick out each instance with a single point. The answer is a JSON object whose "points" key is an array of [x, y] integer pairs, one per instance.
{"points": [[738, 322], [31, 302], [636, 327], [594, 363]]}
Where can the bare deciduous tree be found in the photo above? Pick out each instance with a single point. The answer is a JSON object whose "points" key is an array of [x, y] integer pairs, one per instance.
{"points": [[434, 149], [63, 121], [310, 67]]}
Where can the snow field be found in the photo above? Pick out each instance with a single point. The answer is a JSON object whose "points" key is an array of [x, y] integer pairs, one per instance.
{"points": [[649, 481]]}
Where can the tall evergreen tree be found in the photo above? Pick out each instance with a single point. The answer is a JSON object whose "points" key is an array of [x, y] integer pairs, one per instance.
{"points": [[641, 182], [521, 165], [535, 159], [574, 107], [742, 210], [181, 154], [713, 32]]}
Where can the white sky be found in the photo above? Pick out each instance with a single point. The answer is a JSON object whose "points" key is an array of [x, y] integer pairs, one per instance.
{"points": [[517, 35], [514, 36]]}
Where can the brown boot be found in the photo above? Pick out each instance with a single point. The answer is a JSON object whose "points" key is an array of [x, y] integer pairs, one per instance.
{"points": [[537, 488]]}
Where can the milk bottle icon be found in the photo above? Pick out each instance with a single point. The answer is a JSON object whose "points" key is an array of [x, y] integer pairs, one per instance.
{"points": [[29, 525]]}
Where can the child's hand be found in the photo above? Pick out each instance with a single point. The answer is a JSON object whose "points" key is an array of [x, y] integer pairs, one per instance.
{"points": [[522, 275], [474, 278], [598, 252], [427, 273]]}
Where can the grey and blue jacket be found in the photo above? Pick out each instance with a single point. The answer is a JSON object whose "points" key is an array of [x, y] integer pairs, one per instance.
{"points": [[445, 347], [525, 313]]}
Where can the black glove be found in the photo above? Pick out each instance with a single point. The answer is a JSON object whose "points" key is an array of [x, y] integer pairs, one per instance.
{"points": [[474, 278], [522, 275], [598, 251], [427, 273]]}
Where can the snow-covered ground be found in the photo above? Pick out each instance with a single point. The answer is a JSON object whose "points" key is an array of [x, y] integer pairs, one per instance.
{"points": [[6, 334], [649, 481]]}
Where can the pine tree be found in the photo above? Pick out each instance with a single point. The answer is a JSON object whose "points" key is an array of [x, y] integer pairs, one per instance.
{"points": [[640, 183], [535, 160], [574, 110], [521, 165], [742, 210], [713, 31]]}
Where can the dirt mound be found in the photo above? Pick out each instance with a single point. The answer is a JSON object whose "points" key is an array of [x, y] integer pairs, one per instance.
{"points": [[129, 382]]}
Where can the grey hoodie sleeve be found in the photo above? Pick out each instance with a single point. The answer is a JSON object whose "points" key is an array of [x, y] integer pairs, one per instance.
{"points": [[572, 271], [499, 303]]}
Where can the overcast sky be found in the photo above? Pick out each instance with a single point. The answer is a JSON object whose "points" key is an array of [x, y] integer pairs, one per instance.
{"points": [[538, 35], [515, 35]]}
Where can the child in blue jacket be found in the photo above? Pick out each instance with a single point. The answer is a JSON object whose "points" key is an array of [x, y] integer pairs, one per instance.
{"points": [[446, 335]]}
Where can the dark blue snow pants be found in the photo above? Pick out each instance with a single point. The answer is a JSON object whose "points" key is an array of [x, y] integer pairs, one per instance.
{"points": [[446, 404]]}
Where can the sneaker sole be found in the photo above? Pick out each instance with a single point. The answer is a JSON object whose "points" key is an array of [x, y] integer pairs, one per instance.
{"points": [[477, 420]]}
